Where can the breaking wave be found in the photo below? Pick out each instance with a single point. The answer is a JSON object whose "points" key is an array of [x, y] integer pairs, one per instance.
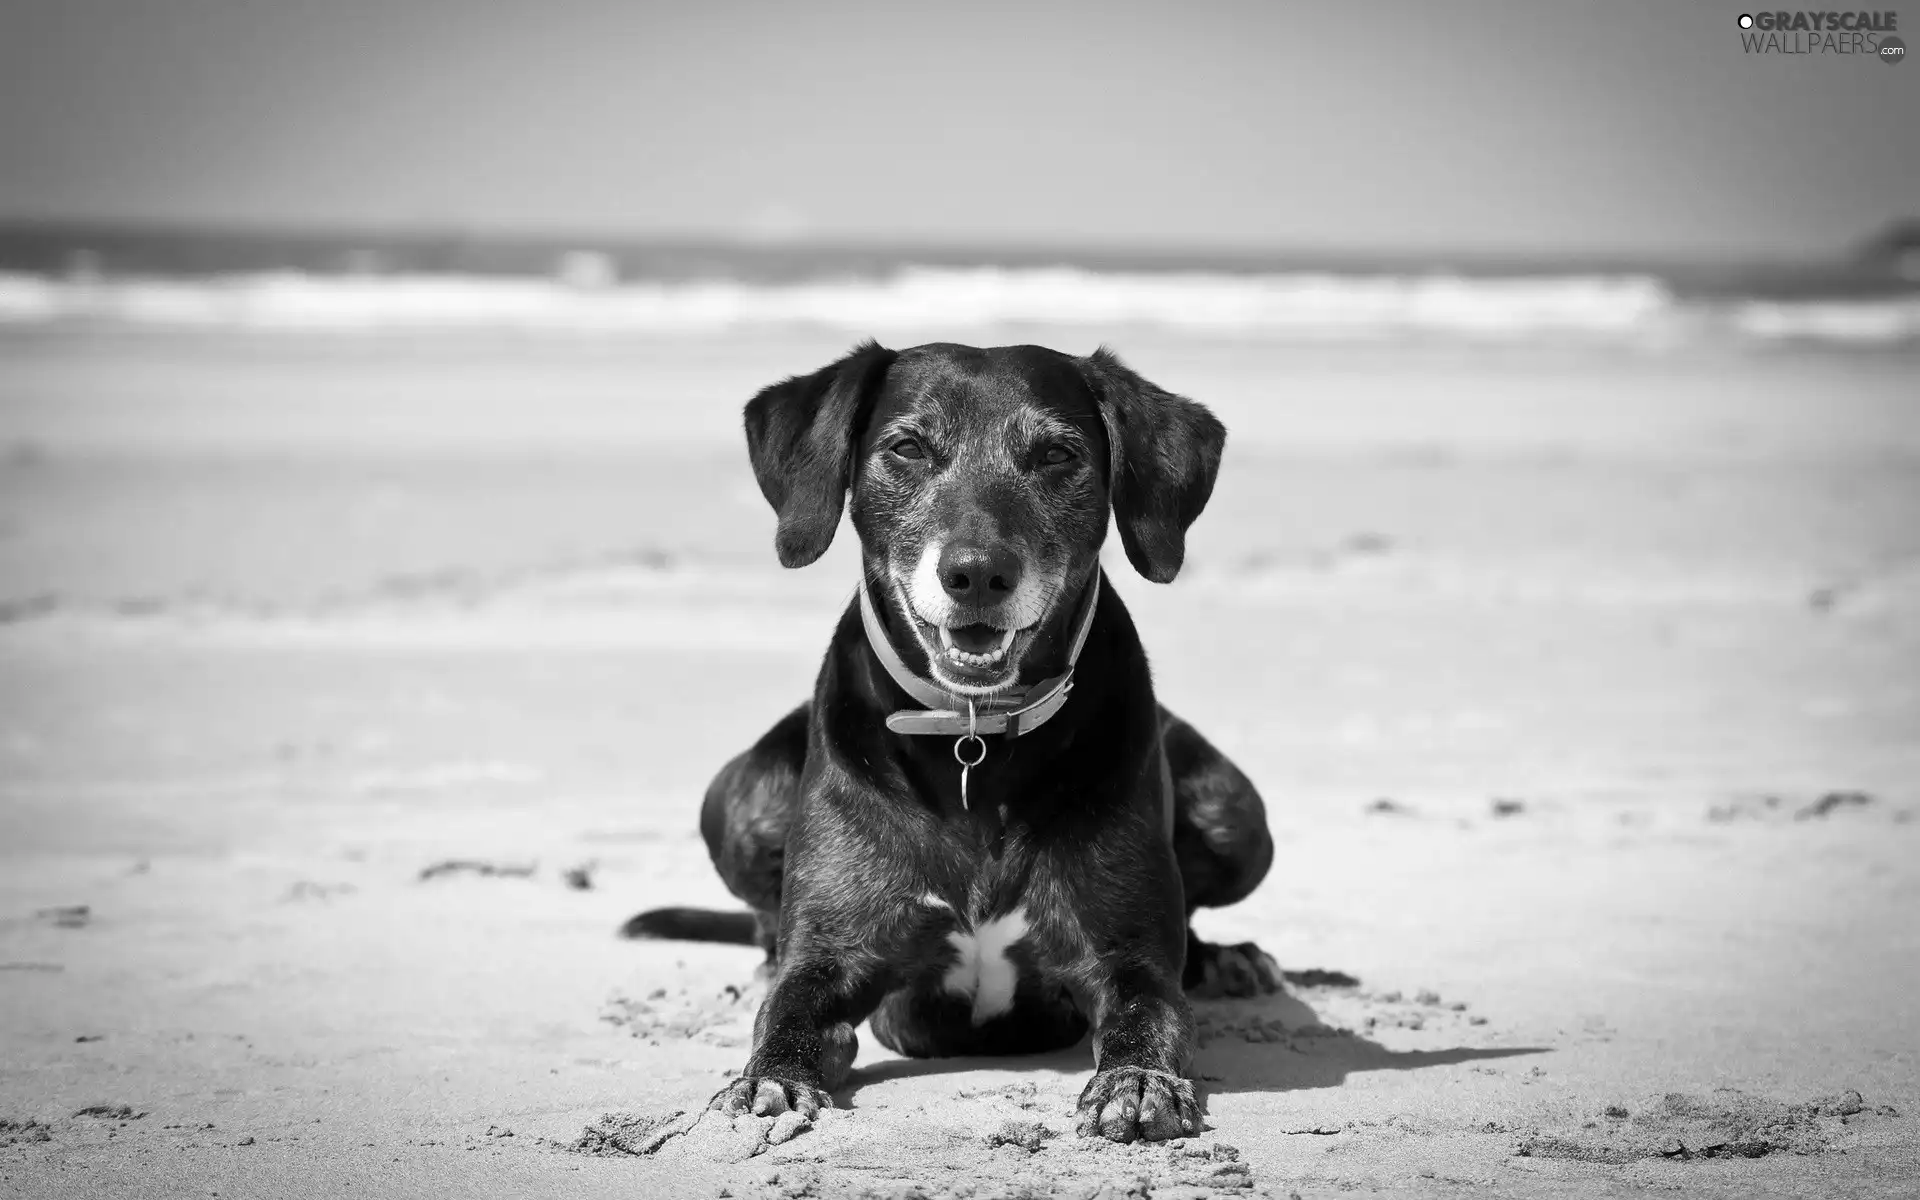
{"points": [[1632, 308]]}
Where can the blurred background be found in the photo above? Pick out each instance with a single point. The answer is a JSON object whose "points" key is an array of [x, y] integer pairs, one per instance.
{"points": [[372, 491]]}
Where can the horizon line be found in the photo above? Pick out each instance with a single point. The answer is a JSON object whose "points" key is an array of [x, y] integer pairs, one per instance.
{"points": [[946, 250]]}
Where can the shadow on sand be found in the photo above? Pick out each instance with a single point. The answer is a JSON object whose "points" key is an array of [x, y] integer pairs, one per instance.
{"points": [[1272, 1044]]}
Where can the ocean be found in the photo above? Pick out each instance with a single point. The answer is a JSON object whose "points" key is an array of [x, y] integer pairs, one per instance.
{"points": [[54, 275]]}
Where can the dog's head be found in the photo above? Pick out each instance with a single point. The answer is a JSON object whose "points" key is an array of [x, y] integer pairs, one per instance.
{"points": [[981, 483]]}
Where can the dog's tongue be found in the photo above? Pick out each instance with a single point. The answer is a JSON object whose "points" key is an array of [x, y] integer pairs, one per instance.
{"points": [[976, 639]]}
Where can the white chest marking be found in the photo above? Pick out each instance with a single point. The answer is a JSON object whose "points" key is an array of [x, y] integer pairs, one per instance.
{"points": [[983, 970]]}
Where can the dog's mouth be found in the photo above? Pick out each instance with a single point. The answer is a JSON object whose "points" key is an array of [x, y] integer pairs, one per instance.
{"points": [[979, 646], [975, 658]]}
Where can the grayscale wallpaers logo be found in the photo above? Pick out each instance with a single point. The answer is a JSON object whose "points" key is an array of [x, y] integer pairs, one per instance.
{"points": [[1867, 34]]}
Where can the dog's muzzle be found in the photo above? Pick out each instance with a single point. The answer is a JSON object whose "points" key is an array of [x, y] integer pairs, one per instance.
{"points": [[953, 715]]}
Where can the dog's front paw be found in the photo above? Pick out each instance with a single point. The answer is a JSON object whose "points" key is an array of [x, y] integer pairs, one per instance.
{"points": [[1232, 971], [766, 1096], [1129, 1103]]}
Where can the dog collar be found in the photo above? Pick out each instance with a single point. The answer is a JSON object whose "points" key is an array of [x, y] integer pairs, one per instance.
{"points": [[953, 715]]}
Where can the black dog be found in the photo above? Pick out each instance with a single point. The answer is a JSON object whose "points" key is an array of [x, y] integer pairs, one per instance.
{"points": [[982, 831]]}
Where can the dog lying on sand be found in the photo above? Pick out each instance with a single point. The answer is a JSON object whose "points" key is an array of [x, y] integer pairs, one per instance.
{"points": [[982, 831]]}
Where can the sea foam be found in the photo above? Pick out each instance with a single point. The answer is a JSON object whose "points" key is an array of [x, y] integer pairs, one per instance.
{"points": [[1308, 306]]}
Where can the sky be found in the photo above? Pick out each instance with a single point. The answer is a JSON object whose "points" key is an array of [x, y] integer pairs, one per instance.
{"points": [[1634, 126]]}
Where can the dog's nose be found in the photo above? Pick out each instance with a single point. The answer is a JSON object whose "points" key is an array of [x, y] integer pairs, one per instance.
{"points": [[978, 575]]}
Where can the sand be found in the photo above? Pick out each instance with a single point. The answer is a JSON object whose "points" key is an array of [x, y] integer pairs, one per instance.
{"points": [[354, 690]]}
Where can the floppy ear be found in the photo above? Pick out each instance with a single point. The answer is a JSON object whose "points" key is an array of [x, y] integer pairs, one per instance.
{"points": [[800, 438], [1165, 451]]}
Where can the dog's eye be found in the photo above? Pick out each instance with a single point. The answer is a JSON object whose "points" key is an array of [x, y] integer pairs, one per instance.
{"points": [[1056, 455], [908, 448]]}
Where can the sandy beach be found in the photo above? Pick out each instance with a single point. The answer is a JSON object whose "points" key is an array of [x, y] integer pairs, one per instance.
{"points": [[354, 689]]}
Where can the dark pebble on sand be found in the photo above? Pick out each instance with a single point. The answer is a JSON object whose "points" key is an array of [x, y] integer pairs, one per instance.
{"points": [[67, 916], [1832, 802]]}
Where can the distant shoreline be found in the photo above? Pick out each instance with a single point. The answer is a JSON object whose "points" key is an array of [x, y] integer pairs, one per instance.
{"points": [[70, 249]]}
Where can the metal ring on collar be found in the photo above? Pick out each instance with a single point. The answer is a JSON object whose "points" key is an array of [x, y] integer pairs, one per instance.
{"points": [[978, 758]]}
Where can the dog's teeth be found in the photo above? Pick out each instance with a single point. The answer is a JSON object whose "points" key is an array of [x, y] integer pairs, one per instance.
{"points": [[985, 658]]}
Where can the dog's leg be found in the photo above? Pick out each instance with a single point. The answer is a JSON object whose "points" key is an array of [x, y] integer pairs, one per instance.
{"points": [[748, 809], [1221, 841], [803, 1039], [1220, 833], [1142, 1043]]}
